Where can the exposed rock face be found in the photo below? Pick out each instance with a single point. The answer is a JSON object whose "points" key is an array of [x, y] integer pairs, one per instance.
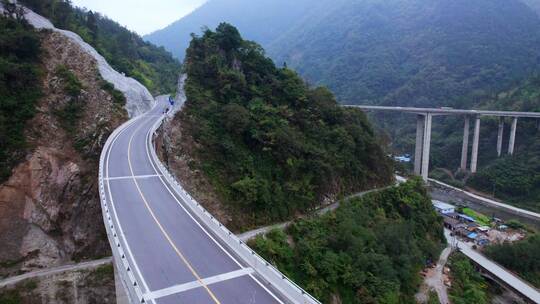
{"points": [[49, 208]]}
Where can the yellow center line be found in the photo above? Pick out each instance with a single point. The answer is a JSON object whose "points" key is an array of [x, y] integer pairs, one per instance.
{"points": [[182, 257]]}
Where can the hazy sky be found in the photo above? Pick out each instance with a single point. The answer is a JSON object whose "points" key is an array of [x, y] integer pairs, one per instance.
{"points": [[142, 16]]}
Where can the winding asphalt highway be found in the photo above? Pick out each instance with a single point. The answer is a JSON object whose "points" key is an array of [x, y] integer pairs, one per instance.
{"points": [[177, 259]]}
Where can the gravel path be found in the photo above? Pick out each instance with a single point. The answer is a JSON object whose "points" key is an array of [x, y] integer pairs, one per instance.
{"points": [[248, 235], [54, 270]]}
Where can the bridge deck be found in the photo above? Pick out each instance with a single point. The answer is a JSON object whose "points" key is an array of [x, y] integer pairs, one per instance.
{"points": [[448, 111], [501, 273]]}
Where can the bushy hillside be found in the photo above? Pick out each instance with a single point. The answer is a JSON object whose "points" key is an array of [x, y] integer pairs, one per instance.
{"points": [[271, 145], [468, 285], [125, 51], [20, 70], [370, 250]]}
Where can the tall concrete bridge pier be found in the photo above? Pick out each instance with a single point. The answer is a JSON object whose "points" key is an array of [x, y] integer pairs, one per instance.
{"points": [[424, 118]]}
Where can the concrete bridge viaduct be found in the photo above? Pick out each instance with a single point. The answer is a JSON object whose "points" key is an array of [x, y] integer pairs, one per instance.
{"points": [[424, 117]]}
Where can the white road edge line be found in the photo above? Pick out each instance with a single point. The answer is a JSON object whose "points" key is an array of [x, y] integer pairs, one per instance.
{"points": [[131, 177], [196, 284], [135, 265], [149, 141]]}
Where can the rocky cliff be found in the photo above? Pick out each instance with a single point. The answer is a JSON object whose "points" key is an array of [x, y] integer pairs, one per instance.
{"points": [[49, 207]]}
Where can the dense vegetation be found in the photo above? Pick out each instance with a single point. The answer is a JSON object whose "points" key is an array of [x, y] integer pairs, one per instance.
{"points": [[413, 52], [405, 52], [70, 113], [20, 88], [271, 145], [370, 250], [124, 50], [468, 286], [521, 257]]}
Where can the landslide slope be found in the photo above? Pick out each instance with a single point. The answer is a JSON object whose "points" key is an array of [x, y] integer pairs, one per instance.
{"points": [[124, 50], [266, 144], [56, 120]]}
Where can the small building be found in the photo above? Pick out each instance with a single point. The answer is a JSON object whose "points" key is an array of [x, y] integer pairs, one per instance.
{"points": [[472, 227], [466, 218], [461, 231], [483, 229], [450, 223], [472, 236], [443, 208], [403, 159], [452, 215], [482, 241]]}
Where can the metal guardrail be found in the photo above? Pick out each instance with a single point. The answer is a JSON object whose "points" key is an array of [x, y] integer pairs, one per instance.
{"points": [[134, 292], [266, 270]]}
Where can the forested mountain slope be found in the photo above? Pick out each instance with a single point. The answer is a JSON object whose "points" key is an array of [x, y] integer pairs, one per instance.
{"points": [[125, 51], [405, 52], [412, 52], [261, 21], [269, 145]]}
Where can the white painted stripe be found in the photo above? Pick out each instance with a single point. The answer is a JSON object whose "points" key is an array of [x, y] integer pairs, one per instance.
{"points": [[132, 177], [196, 284]]}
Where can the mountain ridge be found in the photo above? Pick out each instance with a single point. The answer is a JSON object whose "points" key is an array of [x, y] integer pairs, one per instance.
{"points": [[176, 36], [413, 52]]}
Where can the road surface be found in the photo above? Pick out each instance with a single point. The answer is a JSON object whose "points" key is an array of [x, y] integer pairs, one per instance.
{"points": [[489, 202], [176, 259], [434, 280]]}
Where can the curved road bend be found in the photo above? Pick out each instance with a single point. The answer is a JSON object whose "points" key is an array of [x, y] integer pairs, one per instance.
{"points": [[176, 259]]}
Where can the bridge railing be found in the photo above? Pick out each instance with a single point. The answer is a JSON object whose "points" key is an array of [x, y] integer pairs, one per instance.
{"points": [[267, 271], [124, 269]]}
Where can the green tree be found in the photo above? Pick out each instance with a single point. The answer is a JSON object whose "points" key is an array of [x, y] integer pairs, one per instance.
{"points": [[272, 145], [468, 286], [369, 250], [20, 74], [521, 257], [91, 23]]}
